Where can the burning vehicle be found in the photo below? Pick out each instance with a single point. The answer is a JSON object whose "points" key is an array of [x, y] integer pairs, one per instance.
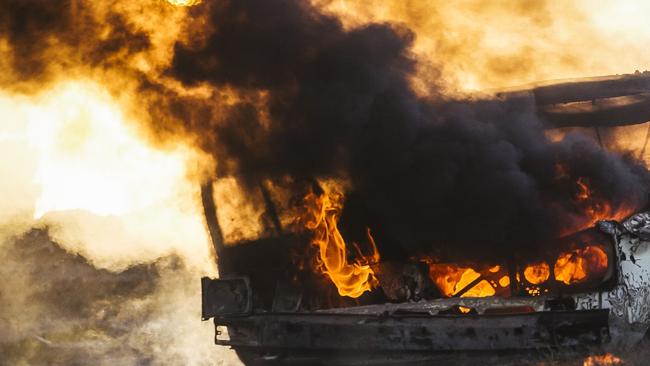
{"points": [[365, 204], [325, 288]]}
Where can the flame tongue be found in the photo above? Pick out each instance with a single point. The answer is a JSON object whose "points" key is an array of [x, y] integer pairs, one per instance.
{"points": [[580, 264], [571, 267], [595, 208], [351, 279], [537, 273], [451, 279]]}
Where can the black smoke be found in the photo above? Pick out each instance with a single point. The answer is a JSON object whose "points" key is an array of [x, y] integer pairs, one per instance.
{"points": [[315, 100], [46, 38], [427, 175]]}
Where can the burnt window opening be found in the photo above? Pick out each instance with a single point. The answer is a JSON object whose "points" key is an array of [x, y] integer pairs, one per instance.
{"points": [[283, 278]]}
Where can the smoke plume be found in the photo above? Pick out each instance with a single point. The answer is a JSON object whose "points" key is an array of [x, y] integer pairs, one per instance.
{"points": [[318, 101], [102, 241], [58, 309]]}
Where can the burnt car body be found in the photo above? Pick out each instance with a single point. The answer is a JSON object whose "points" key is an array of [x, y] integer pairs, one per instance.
{"points": [[268, 319]]}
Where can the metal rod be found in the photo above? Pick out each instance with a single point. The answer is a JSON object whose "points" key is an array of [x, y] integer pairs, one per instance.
{"points": [[211, 220], [512, 273], [600, 140], [270, 208], [645, 144], [469, 286]]}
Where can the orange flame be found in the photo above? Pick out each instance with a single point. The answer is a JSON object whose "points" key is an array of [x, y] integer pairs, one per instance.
{"points": [[579, 264], [451, 279], [598, 209], [184, 2], [584, 190], [351, 279], [603, 360], [446, 277], [504, 281], [590, 206], [537, 273], [571, 267], [482, 289]]}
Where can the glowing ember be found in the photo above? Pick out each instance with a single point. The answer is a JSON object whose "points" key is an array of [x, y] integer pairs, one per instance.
{"points": [[504, 281], [537, 273], [578, 265], [533, 291], [603, 360], [351, 279]]}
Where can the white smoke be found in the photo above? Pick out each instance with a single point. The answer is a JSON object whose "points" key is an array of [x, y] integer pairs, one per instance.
{"points": [[108, 209]]}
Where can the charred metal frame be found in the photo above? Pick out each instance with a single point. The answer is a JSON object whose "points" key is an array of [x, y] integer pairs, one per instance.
{"points": [[493, 324], [591, 102], [412, 333]]}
